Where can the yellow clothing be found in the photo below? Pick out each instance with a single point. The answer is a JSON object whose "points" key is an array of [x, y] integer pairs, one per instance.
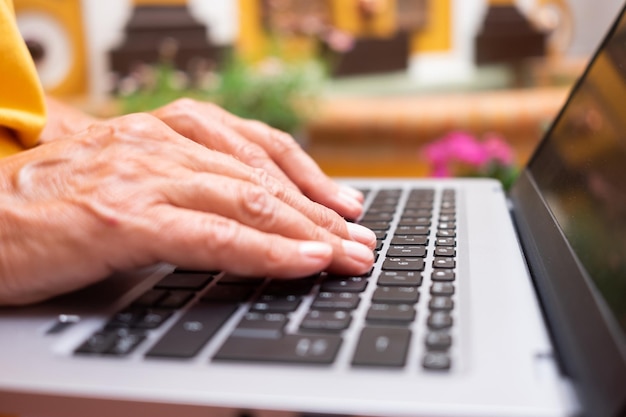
{"points": [[22, 106]]}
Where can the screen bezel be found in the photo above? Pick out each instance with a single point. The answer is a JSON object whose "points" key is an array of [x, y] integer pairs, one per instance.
{"points": [[590, 343]]}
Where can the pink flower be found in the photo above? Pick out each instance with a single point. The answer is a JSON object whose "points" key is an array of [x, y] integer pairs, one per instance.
{"points": [[339, 41], [461, 153], [465, 148], [498, 150]]}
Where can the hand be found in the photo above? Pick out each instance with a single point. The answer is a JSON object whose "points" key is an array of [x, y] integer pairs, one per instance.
{"points": [[261, 146], [132, 192], [252, 142]]}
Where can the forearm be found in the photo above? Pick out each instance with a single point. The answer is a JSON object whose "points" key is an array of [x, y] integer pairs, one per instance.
{"points": [[63, 120]]}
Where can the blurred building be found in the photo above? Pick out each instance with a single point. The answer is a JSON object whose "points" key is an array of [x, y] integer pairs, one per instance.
{"points": [[73, 38]]}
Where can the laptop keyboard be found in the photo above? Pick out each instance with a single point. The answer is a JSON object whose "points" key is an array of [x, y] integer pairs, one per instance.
{"points": [[305, 321]]}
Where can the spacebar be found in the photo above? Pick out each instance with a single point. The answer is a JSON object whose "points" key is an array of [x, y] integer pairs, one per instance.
{"points": [[193, 330], [291, 348]]}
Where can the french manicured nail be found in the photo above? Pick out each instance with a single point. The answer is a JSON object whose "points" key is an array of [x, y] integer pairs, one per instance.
{"points": [[361, 234], [316, 250], [350, 202], [352, 192], [358, 252]]}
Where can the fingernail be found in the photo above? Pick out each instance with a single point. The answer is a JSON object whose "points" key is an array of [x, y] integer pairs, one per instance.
{"points": [[352, 192], [361, 234], [350, 202], [317, 250], [360, 253]]}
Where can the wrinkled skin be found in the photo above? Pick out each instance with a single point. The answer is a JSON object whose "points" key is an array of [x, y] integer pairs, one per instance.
{"points": [[189, 184]]}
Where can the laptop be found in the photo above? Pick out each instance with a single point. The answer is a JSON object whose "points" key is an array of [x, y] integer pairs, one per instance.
{"points": [[480, 303]]}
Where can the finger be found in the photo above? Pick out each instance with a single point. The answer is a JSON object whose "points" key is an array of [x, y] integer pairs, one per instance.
{"points": [[175, 151], [192, 120], [255, 206], [299, 166], [282, 151], [207, 241]]}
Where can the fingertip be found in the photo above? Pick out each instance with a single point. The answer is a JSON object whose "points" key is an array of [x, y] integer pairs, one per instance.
{"points": [[316, 253], [362, 234], [361, 255], [349, 206], [352, 192]]}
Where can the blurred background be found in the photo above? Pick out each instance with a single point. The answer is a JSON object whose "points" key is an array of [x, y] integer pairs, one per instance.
{"points": [[368, 87]]}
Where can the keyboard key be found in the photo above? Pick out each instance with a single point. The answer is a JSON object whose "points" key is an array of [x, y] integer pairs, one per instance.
{"points": [[439, 320], [413, 230], [385, 216], [193, 330], [344, 284], [152, 319], [419, 204], [241, 280], [402, 295], [447, 218], [176, 299], [326, 320], [441, 303], [438, 341], [381, 208], [149, 298], [376, 225], [125, 342], [336, 301], [444, 275], [446, 233], [380, 234], [442, 288], [403, 264], [407, 251], [304, 349], [417, 213], [276, 303], [98, 343], [441, 262], [437, 361], [445, 251], [382, 346], [140, 318], [445, 241], [448, 204], [409, 240], [391, 313], [127, 317], [228, 293], [117, 342], [184, 281], [414, 221], [284, 287], [400, 278], [263, 325]]}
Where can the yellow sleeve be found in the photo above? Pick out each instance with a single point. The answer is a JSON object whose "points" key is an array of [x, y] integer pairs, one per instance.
{"points": [[22, 105]]}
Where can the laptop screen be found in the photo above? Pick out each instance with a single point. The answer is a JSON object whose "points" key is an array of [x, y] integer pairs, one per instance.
{"points": [[580, 170]]}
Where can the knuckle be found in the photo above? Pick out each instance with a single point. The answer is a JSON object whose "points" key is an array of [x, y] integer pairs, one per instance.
{"points": [[251, 153], [256, 201], [135, 124], [225, 233], [274, 256], [327, 218], [283, 143], [262, 178], [183, 104], [138, 119]]}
